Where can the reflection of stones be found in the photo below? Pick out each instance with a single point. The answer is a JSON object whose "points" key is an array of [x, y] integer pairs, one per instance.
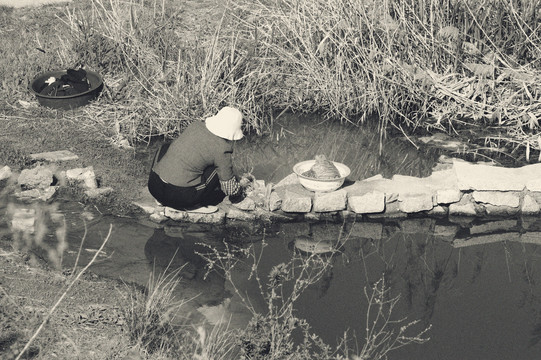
{"points": [[309, 246], [23, 220]]}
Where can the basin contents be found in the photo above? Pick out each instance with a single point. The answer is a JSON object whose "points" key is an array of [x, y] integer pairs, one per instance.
{"points": [[321, 177], [322, 169], [72, 83]]}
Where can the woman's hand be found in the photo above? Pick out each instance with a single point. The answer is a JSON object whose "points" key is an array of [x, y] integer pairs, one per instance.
{"points": [[247, 183]]}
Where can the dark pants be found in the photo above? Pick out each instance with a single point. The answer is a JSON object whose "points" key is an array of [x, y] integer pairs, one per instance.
{"points": [[178, 197]]}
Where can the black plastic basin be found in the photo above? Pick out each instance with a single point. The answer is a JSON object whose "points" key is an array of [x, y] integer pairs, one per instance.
{"points": [[66, 102]]}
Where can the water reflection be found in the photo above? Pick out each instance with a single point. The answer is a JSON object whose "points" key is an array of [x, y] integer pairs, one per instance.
{"points": [[176, 248], [296, 138], [475, 282]]}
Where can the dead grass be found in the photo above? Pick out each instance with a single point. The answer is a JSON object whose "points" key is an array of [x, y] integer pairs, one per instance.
{"points": [[433, 66]]}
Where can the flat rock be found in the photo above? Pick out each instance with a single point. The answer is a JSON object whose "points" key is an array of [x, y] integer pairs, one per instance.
{"points": [[497, 198], [534, 184], [410, 185], [247, 204], [291, 179], [54, 156], [40, 177], [438, 211], [494, 178], [392, 211], [177, 215], [86, 176], [235, 213], [158, 218], [493, 210], [274, 201]]}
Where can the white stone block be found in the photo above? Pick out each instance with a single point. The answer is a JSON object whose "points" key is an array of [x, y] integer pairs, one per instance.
{"points": [[448, 196], [415, 202], [533, 185], [157, 218], [239, 214], [497, 198], [372, 202], [295, 202], [332, 201], [493, 210], [462, 208]]}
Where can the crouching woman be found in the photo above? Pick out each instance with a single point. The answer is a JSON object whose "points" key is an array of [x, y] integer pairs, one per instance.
{"points": [[195, 172]]}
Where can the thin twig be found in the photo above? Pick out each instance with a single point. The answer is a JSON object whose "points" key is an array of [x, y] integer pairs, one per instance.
{"points": [[52, 310]]}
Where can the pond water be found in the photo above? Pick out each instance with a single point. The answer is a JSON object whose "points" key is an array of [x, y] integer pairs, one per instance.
{"points": [[483, 301], [294, 139], [482, 298]]}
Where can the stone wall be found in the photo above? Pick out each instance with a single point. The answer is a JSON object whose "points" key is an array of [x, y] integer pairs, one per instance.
{"points": [[455, 188]]}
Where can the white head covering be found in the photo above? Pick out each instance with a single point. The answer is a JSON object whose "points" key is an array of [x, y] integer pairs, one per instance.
{"points": [[226, 124]]}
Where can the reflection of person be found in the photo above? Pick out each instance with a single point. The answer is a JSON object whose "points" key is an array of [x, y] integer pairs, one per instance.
{"points": [[195, 171], [180, 251]]}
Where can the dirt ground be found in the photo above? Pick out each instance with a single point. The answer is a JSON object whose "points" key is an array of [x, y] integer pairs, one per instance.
{"points": [[87, 324]]}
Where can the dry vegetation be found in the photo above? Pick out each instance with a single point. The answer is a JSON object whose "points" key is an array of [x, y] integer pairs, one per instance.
{"points": [[432, 65]]}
